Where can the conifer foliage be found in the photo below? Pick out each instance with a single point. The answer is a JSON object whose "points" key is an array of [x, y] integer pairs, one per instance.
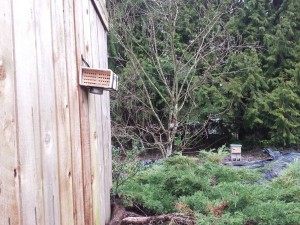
{"points": [[215, 194], [183, 62], [271, 101]]}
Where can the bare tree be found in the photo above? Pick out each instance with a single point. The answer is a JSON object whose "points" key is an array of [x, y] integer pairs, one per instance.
{"points": [[168, 50]]}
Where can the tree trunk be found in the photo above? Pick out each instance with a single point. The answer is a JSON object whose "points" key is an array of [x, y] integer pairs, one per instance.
{"points": [[173, 127], [169, 149]]}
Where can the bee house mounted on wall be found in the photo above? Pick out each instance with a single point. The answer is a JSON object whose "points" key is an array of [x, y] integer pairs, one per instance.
{"points": [[98, 80]]}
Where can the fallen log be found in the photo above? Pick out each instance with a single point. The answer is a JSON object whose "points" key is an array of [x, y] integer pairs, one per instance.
{"points": [[122, 217], [175, 218]]}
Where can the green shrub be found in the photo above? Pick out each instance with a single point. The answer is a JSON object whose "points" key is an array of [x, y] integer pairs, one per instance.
{"points": [[215, 156], [217, 194], [273, 212], [227, 218], [290, 177], [125, 167], [198, 201]]}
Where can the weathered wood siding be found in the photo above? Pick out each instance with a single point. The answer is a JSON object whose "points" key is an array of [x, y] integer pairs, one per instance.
{"points": [[55, 150]]}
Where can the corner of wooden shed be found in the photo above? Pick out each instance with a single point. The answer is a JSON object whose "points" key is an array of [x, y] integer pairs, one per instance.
{"points": [[55, 144]]}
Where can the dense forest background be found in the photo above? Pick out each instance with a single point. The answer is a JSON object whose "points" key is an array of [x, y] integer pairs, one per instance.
{"points": [[186, 65]]}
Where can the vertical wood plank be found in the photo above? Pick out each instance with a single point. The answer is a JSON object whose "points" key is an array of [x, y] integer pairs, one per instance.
{"points": [[81, 16], [9, 178], [93, 148], [104, 195], [106, 137], [76, 175], [86, 157], [98, 167], [47, 107], [107, 150], [108, 116], [62, 111], [100, 164], [102, 13], [90, 131], [96, 125], [28, 113]]}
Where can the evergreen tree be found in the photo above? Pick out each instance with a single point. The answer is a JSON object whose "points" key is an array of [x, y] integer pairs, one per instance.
{"points": [[247, 72], [169, 50], [264, 83]]}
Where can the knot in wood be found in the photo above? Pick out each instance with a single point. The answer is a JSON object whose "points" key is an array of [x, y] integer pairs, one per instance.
{"points": [[2, 71]]}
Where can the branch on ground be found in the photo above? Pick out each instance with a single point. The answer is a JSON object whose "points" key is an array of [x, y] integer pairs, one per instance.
{"points": [[122, 217]]}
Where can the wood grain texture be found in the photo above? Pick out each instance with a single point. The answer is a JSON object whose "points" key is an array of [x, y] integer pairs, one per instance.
{"points": [[9, 171], [87, 119], [96, 150], [27, 96], [75, 174], [105, 58], [47, 108], [105, 115], [55, 138], [101, 11], [99, 167], [81, 15], [101, 149], [59, 52]]}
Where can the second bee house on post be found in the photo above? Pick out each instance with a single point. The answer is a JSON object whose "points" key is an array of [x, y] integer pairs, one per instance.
{"points": [[236, 151]]}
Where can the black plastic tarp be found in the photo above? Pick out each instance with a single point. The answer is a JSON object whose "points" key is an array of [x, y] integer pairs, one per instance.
{"points": [[274, 165]]}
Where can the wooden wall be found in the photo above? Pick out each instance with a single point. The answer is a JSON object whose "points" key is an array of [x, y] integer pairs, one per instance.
{"points": [[55, 150]]}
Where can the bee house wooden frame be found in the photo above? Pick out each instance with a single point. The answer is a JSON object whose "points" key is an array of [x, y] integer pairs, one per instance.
{"points": [[235, 150], [98, 78]]}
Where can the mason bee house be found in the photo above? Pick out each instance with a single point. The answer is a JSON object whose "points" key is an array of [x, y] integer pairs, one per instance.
{"points": [[98, 80], [236, 151]]}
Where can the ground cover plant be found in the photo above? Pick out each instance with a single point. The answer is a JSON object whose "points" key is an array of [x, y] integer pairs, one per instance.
{"points": [[213, 193]]}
